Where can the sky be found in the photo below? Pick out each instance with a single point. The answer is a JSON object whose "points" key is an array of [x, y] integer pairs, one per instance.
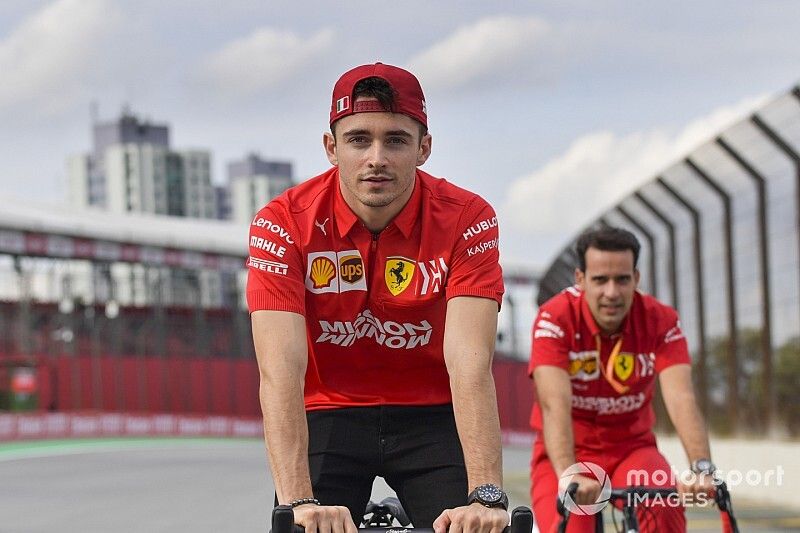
{"points": [[551, 110]]}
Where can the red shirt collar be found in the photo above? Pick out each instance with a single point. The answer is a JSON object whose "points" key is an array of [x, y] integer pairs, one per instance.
{"points": [[595, 330], [405, 219]]}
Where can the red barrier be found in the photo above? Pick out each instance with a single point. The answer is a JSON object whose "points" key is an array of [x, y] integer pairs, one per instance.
{"points": [[514, 393], [221, 386], [93, 425], [211, 386]]}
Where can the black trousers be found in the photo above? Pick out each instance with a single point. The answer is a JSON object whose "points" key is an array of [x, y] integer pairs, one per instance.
{"points": [[415, 449]]}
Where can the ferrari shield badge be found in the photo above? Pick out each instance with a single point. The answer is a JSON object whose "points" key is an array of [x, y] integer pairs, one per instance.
{"points": [[623, 366], [398, 273]]}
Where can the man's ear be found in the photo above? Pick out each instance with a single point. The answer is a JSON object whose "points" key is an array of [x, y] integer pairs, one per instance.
{"points": [[425, 146], [580, 278], [329, 143]]}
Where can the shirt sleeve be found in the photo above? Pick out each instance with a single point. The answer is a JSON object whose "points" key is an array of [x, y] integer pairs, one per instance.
{"points": [[549, 341], [475, 268], [672, 348], [275, 277]]}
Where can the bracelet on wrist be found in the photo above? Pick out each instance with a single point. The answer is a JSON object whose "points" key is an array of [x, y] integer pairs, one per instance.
{"points": [[303, 501]]}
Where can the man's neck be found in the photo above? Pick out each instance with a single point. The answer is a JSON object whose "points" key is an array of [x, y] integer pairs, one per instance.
{"points": [[376, 219]]}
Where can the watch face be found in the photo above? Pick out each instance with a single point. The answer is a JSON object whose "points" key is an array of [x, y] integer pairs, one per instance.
{"points": [[489, 493], [704, 465]]}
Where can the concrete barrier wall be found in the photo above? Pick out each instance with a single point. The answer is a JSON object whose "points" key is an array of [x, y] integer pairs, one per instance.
{"points": [[758, 471]]}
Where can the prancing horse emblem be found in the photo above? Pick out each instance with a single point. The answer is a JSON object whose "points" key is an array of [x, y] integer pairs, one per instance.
{"points": [[398, 273]]}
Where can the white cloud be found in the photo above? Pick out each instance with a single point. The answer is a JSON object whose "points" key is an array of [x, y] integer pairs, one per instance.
{"points": [[597, 170], [493, 46], [263, 60], [46, 59]]}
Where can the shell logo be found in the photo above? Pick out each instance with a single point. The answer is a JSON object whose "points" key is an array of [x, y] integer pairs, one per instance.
{"points": [[335, 272], [322, 272]]}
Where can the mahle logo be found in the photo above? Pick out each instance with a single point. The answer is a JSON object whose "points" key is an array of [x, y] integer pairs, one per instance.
{"points": [[583, 468]]}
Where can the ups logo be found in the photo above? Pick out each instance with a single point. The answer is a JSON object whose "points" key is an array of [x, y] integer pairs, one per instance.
{"points": [[335, 272], [351, 268], [584, 366]]}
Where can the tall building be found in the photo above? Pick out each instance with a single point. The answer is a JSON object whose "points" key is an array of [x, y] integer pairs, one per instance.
{"points": [[197, 191], [133, 169], [253, 182], [222, 195]]}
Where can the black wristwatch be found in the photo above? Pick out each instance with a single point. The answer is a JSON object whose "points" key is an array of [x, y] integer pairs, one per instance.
{"points": [[489, 495], [703, 466]]}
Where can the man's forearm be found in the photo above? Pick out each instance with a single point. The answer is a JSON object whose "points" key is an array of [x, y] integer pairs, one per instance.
{"points": [[554, 394], [475, 407], [470, 330], [286, 436], [280, 342], [558, 437], [679, 398], [691, 428]]}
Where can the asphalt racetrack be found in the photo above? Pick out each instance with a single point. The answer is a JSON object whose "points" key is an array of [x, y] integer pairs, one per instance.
{"points": [[192, 486]]}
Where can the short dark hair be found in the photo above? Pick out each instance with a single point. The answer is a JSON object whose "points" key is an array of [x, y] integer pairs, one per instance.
{"points": [[379, 89], [608, 239]]}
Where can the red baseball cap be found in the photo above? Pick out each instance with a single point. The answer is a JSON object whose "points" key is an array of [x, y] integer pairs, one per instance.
{"points": [[409, 99]]}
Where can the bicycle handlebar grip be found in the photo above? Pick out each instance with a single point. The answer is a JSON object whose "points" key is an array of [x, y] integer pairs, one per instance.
{"points": [[572, 488], [282, 519], [521, 520], [283, 522]]}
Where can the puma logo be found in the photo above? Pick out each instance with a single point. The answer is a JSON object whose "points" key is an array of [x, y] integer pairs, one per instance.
{"points": [[321, 226]]}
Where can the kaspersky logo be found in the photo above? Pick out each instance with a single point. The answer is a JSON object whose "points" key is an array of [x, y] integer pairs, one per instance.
{"points": [[585, 468]]}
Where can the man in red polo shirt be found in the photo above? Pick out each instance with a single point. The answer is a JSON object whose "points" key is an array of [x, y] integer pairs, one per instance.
{"points": [[374, 290], [597, 349]]}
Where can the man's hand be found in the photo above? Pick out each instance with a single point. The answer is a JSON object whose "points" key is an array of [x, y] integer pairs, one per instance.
{"points": [[475, 518], [324, 519], [588, 489], [700, 491]]}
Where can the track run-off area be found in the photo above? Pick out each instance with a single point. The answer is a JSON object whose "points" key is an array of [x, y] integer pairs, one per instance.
{"points": [[197, 485]]}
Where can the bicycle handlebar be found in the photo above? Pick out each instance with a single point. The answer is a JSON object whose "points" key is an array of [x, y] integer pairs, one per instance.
{"points": [[283, 522], [721, 496]]}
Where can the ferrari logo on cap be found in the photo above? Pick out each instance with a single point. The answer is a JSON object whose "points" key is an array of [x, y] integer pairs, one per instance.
{"points": [[398, 274], [623, 366]]}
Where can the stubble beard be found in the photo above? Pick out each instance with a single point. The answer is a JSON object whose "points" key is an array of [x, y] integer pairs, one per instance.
{"points": [[381, 199]]}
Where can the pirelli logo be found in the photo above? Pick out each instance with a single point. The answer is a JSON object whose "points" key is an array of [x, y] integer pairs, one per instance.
{"points": [[272, 267]]}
